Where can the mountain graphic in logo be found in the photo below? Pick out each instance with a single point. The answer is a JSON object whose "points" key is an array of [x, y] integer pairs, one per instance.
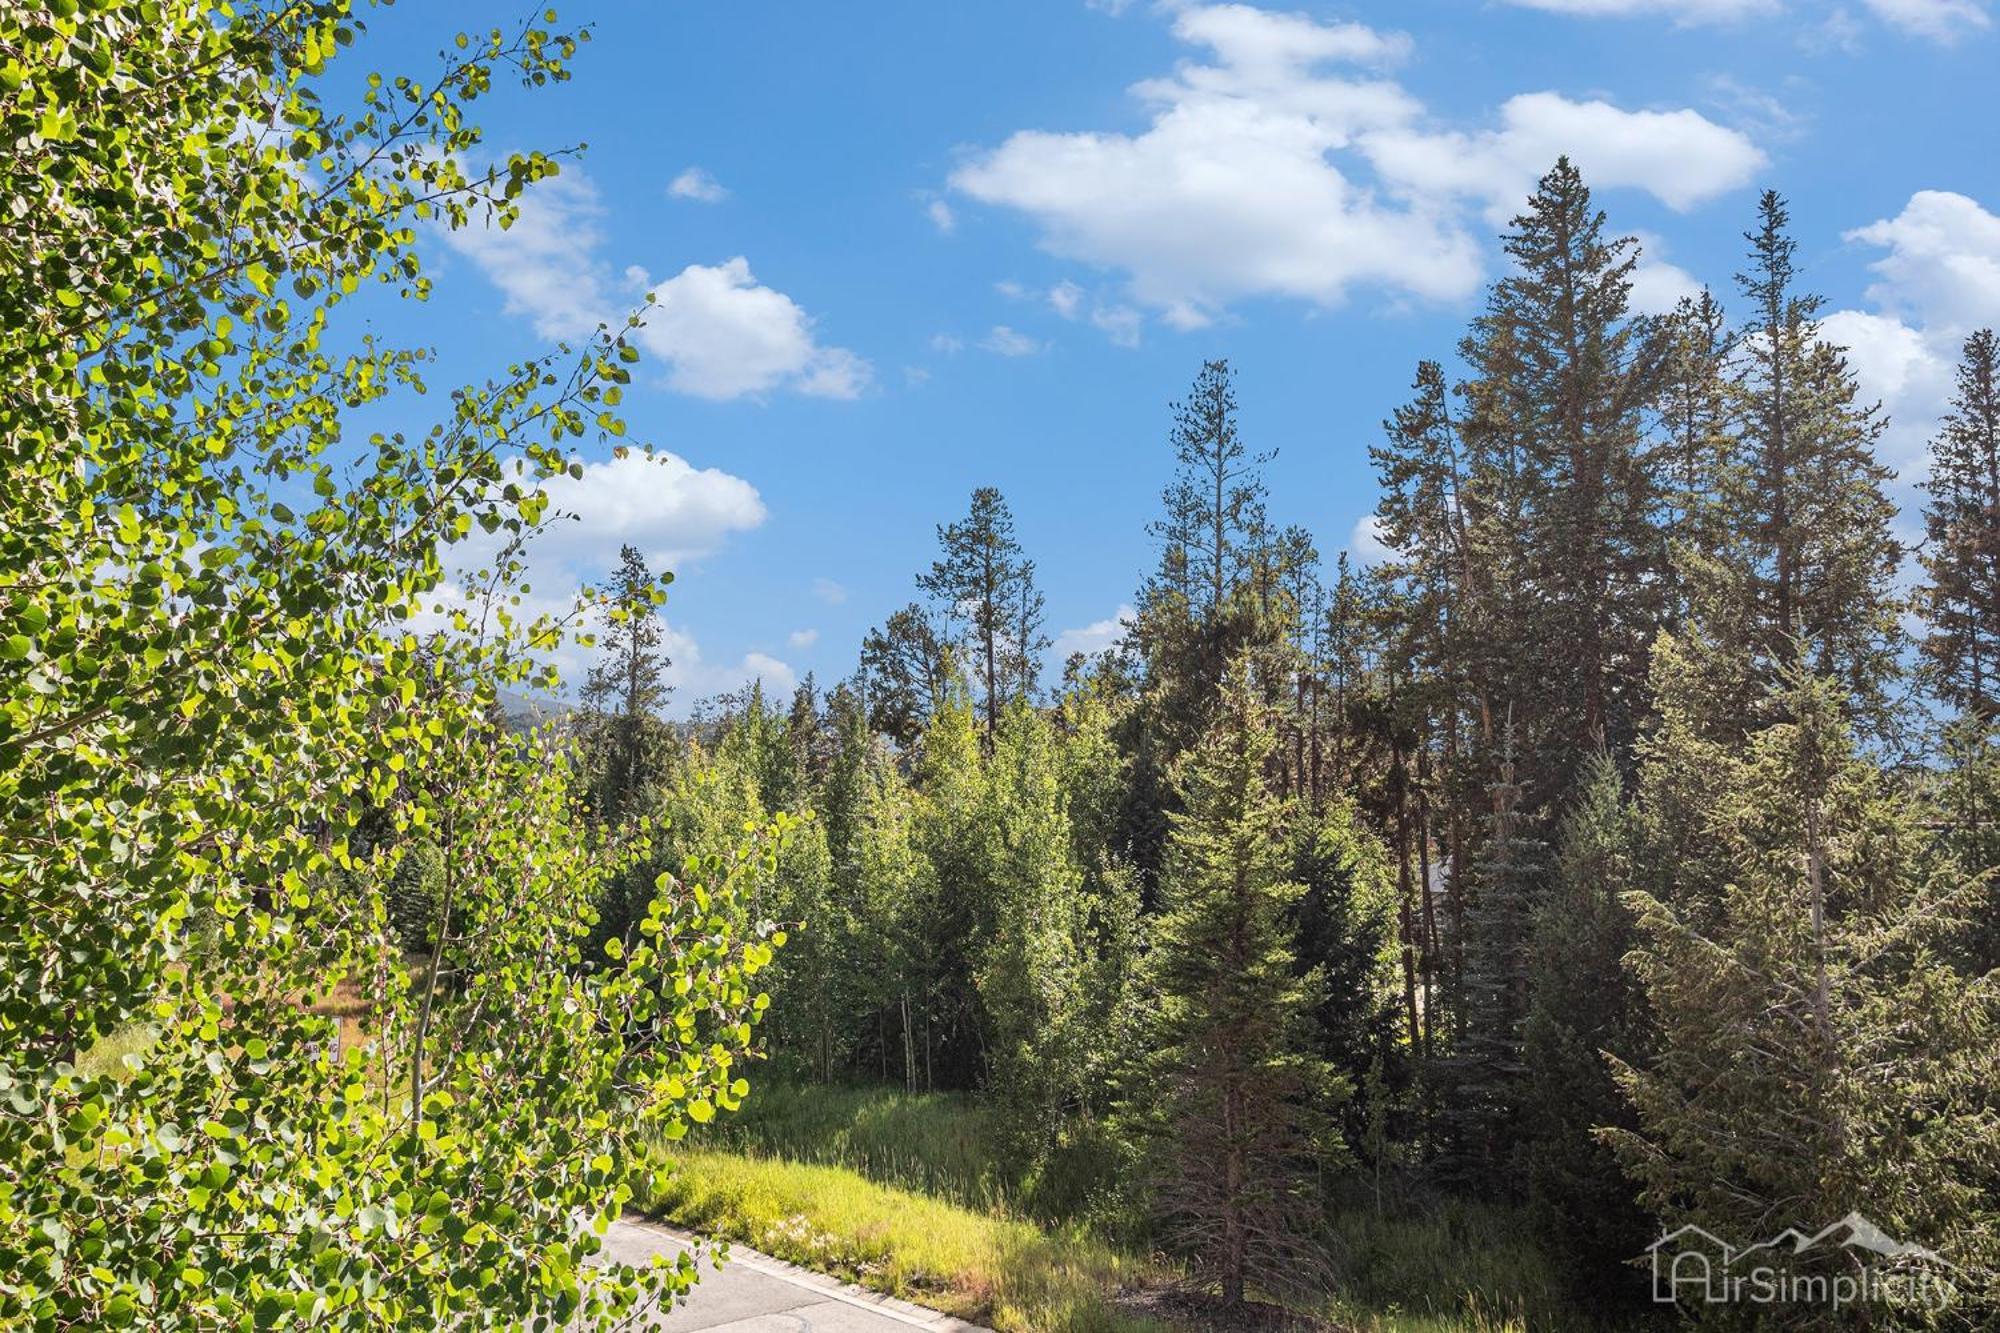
{"points": [[1858, 1233]]}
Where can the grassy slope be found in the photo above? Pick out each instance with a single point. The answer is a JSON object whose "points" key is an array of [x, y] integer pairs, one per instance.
{"points": [[983, 1266], [902, 1193]]}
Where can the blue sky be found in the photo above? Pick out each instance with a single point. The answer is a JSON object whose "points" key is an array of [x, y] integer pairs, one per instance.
{"points": [[905, 249]]}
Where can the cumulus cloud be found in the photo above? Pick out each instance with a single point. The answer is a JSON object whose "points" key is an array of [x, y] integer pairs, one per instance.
{"points": [[1288, 163], [1094, 637], [1938, 280], [670, 510], [1365, 542], [941, 216], [830, 592], [696, 184], [1943, 262], [694, 677], [802, 638], [1680, 157], [720, 333], [673, 512]]}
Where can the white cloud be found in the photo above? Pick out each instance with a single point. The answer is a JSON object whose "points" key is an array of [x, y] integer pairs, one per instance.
{"points": [[1939, 20], [1943, 262], [694, 677], [1118, 322], [802, 638], [546, 264], [671, 511], [1938, 281], [695, 183], [1658, 286], [1365, 543], [1681, 157], [1010, 342], [726, 335], [1253, 177], [948, 343], [941, 216], [720, 332], [830, 592], [1092, 638]]}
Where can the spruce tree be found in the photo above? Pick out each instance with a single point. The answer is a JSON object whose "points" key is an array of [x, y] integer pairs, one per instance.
{"points": [[1232, 1091], [1807, 575], [1816, 1054], [626, 689], [1485, 1073], [1561, 378], [1697, 449], [1961, 557], [1581, 1005]]}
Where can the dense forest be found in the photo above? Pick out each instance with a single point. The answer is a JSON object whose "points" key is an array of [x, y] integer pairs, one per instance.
{"points": [[1618, 848], [1614, 854]]}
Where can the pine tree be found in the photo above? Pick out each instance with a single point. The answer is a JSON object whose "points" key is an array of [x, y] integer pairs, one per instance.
{"points": [[909, 665], [1697, 450], [1816, 1054], [1561, 377], [1195, 614], [1807, 577], [627, 689], [1231, 1090], [984, 583], [1486, 1071], [1582, 1004], [1961, 558], [1214, 499]]}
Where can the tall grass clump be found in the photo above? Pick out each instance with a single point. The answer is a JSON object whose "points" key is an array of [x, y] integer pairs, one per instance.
{"points": [[979, 1265]]}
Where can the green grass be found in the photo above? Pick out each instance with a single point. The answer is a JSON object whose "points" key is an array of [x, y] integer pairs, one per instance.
{"points": [[979, 1265], [903, 1193], [107, 1057], [931, 1143]]}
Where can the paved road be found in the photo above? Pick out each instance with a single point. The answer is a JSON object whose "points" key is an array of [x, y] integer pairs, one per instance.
{"points": [[754, 1293]]}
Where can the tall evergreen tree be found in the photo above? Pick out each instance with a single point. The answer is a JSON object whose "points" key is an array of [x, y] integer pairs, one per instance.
{"points": [[1816, 1053], [1808, 575], [1697, 449], [1961, 558], [1232, 1091], [1581, 1005], [1561, 378], [984, 583], [1194, 618], [1214, 500], [626, 690]]}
